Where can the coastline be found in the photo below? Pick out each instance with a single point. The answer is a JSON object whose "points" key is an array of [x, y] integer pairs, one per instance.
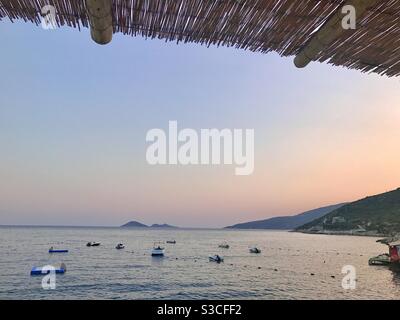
{"points": [[344, 233]]}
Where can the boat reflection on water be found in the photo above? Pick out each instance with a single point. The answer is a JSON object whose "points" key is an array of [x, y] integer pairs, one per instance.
{"points": [[395, 268], [157, 261], [395, 273]]}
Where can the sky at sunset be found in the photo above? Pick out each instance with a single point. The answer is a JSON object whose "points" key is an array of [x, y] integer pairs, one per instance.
{"points": [[74, 117]]}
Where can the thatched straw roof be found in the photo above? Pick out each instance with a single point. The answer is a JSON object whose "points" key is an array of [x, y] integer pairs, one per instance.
{"points": [[284, 26]]}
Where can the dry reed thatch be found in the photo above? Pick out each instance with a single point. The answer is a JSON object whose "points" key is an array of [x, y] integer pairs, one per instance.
{"points": [[284, 26]]}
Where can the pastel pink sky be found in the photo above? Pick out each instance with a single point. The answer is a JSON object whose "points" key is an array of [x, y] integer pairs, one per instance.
{"points": [[73, 134]]}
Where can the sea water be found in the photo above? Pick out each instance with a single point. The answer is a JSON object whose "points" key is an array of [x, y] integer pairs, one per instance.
{"points": [[291, 265]]}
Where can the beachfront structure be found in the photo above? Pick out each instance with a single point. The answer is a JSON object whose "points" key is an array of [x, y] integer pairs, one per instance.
{"points": [[390, 258], [309, 30], [394, 251]]}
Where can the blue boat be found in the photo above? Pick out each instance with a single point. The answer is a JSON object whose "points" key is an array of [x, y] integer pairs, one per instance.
{"points": [[38, 271], [52, 250]]}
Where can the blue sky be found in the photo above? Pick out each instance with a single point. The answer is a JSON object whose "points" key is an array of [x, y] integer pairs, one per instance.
{"points": [[74, 116]]}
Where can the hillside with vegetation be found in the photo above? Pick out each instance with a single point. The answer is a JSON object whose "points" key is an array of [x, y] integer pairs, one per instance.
{"points": [[287, 222], [374, 215]]}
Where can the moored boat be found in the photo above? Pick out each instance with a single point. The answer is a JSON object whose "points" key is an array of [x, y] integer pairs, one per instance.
{"points": [[93, 244], [157, 251], [255, 250], [382, 259], [52, 250], [120, 246], [216, 258]]}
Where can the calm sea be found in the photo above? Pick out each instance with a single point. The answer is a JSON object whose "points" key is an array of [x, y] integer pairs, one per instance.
{"points": [[282, 271]]}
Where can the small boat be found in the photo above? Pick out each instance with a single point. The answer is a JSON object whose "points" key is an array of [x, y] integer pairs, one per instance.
{"points": [[52, 250], [171, 241], [216, 258], [382, 259], [36, 271], [255, 250], [157, 251], [93, 244], [120, 246], [224, 246]]}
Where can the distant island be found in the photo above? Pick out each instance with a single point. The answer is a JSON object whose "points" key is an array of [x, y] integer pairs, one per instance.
{"points": [[136, 224], [287, 222], [377, 215]]}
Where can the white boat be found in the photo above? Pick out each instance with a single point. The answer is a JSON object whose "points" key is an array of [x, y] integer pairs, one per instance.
{"points": [[255, 250], [120, 246], [216, 258], [158, 251]]}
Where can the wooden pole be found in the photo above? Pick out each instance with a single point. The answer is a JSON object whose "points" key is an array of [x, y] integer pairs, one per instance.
{"points": [[329, 32], [100, 19]]}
